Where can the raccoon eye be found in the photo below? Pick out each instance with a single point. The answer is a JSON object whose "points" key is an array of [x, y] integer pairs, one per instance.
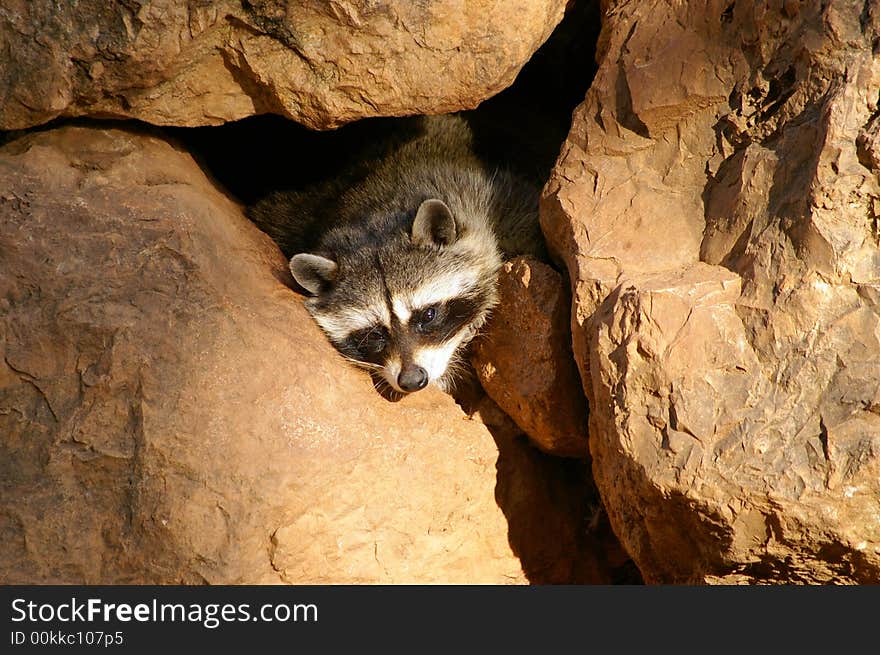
{"points": [[426, 317], [374, 342]]}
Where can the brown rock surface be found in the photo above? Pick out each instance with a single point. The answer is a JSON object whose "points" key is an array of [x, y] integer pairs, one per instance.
{"points": [[524, 359], [716, 206], [207, 62], [169, 412]]}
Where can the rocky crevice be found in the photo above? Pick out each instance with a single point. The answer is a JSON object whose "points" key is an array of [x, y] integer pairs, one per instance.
{"points": [[713, 201]]}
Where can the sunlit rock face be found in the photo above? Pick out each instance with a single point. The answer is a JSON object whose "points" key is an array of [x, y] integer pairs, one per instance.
{"points": [[716, 205]]}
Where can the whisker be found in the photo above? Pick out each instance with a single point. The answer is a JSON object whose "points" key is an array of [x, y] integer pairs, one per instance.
{"points": [[357, 362], [385, 389]]}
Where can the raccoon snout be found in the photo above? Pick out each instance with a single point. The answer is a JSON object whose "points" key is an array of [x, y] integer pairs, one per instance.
{"points": [[412, 379]]}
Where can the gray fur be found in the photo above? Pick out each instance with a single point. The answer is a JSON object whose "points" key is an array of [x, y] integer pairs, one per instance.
{"points": [[313, 272], [425, 217], [434, 224]]}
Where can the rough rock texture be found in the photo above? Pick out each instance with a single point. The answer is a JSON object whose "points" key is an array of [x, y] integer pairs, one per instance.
{"points": [[524, 359], [203, 62], [717, 206], [170, 414]]}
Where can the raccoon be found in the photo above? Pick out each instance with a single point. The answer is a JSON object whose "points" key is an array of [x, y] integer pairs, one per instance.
{"points": [[400, 255]]}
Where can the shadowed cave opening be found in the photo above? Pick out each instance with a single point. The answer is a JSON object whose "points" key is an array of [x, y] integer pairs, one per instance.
{"points": [[522, 128]]}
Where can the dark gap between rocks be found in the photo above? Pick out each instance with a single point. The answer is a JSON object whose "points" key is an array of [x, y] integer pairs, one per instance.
{"points": [[522, 128]]}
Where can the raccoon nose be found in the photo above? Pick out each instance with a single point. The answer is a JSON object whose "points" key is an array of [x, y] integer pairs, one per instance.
{"points": [[413, 378]]}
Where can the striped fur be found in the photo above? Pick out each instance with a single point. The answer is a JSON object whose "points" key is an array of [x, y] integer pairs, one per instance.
{"points": [[424, 232]]}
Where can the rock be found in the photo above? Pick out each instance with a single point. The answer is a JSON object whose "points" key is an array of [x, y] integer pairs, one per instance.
{"points": [[524, 360], [322, 64], [169, 413], [556, 522], [715, 205]]}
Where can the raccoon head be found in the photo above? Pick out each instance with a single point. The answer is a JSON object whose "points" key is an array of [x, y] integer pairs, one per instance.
{"points": [[405, 305]]}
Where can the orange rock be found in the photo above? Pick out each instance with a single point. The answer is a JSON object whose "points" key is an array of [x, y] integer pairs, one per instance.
{"points": [[524, 359], [321, 64], [713, 207]]}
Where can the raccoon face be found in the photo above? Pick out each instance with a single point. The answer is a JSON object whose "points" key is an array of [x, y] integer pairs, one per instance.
{"points": [[406, 308]]}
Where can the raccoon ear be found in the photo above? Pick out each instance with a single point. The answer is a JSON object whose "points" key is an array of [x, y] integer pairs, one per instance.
{"points": [[313, 272], [434, 224]]}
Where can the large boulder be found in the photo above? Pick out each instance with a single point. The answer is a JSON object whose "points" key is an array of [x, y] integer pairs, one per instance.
{"points": [[203, 63], [716, 205], [169, 413], [524, 359]]}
